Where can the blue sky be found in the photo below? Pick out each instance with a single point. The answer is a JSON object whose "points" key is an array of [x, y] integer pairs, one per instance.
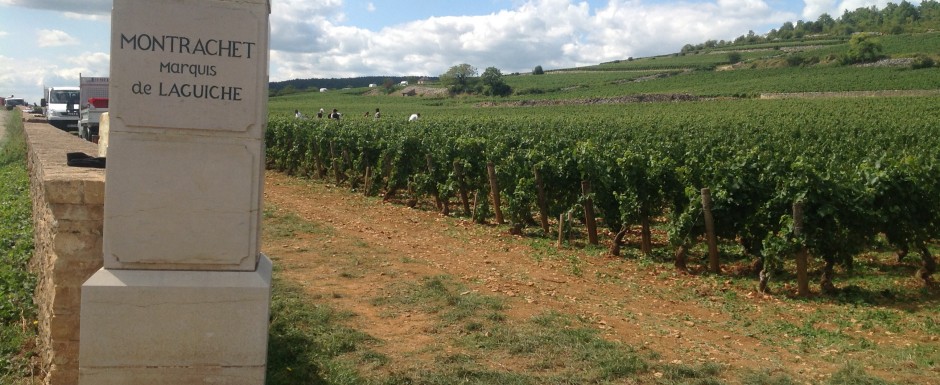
{"points": [[51, 42]]}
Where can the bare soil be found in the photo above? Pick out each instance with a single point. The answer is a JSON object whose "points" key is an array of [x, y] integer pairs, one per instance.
{"points": [[365, 246]]}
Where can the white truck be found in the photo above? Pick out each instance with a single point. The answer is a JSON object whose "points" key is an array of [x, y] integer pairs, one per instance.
{"points": [[60, 105], [94, 102]]}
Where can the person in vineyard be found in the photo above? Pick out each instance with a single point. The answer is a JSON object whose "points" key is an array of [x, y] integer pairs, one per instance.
{"points": [[335, 114], [298, 115], [377, 114], [320, 114], [414, 117]]}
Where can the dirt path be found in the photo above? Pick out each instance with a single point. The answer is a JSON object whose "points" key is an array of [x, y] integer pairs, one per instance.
{"points": [[362, 247]]}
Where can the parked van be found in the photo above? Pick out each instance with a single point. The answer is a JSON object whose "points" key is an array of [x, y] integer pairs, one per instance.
{"points": [[61, 107], [9, 103]]}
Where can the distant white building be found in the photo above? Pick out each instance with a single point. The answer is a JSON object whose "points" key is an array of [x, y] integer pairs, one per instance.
{"points": [[403, 83], [323, 90], [372, 85]]}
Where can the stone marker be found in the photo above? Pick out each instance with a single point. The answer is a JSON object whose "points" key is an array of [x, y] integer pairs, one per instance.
{"points": [[184, 294], [104, 129]]}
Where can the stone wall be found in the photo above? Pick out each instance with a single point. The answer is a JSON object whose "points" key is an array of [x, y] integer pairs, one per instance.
{"points": [[68, 208]]}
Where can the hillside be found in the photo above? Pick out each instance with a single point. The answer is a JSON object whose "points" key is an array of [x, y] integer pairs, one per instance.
{"points": [[743, 70]]}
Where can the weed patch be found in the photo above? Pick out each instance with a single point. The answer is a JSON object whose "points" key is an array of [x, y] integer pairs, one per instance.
{"points": [[307, 342], [281, 225]]}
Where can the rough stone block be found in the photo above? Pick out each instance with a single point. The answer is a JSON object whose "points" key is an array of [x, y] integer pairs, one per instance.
{"points": [[68, 191], [67, 353], [81, 227], [65, 327], [78, 212], [62, 375], [66, 301], [93, 192], [76, 278], [77, 246]]}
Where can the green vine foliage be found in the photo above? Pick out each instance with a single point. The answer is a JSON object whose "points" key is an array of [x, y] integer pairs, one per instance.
{"points": [[870, 169]]}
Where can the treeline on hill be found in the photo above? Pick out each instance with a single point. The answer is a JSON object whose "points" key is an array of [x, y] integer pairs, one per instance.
{"points": [[893, 19], [288, 87]]}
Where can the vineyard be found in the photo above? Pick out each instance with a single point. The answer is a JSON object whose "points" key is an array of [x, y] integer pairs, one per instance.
{"points": [[738, 83], [781, 179], [648, 200]]}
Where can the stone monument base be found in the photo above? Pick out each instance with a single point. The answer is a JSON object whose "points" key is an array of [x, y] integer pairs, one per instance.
{"points": [[160, 327]]}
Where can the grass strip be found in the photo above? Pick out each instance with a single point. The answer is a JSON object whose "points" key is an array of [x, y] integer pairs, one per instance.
{"points": [[17, 284]]}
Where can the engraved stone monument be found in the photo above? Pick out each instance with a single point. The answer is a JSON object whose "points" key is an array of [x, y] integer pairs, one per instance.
{"points": [[184, 294]]}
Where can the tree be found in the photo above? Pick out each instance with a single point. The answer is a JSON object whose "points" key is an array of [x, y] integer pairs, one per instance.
{"points": [[752, 37], [493, 83], [825, 22], [863, 48], [459, 78], [388, 85], [538, 71], [287, 90]]}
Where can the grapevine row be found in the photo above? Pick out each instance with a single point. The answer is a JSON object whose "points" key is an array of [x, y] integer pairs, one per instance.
{"points": [[869, 171]]}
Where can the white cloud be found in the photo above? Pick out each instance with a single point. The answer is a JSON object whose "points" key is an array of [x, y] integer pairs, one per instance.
{"points": [[551, 33], [300, 26], [814, 8], [54, 38], [836, 8], [90, 17], [310, 38], [3, 34], [90, 63], [82, 6], [28, 76]]}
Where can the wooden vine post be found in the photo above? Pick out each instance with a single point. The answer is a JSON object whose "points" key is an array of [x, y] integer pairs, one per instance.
{"points": [[646, 237], [335, 162], [367, 189], [321, 169], [681, 258], [589, 217], [543, 206], [494, 192], [475, 214], [458, 174], [348, 165], [337, 173], [437, 195], [802, 276], [713, 264], [347, 159], [618, 239], [561, 229], [359, 172], [390, 187]]}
